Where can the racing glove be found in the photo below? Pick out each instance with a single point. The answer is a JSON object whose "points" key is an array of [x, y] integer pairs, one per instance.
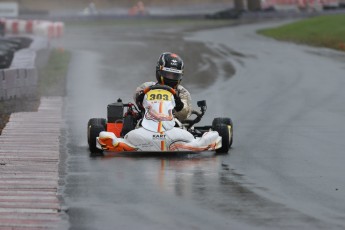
{"points": [[139, 99], [179, 104]]}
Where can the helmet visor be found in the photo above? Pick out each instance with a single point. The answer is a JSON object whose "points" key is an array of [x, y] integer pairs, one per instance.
{"points": [[172, 74]]}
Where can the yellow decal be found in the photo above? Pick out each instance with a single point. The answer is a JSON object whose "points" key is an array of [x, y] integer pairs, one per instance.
{"points": [[158, 95]]}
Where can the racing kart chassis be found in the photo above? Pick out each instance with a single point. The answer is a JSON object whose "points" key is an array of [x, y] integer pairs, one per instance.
{"points": [[122, 118]]}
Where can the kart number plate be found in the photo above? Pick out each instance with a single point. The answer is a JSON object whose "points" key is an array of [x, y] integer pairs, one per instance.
{"points": [[158, 95]]}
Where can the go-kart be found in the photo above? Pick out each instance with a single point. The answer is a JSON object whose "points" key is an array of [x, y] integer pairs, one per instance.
{"points": [[155, 128]]}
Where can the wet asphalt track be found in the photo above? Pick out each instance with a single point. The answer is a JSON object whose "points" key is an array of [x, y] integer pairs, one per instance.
{"points": [[285, 169]]}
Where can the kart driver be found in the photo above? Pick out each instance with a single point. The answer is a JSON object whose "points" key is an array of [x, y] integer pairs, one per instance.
{"points": [[169, 71]]}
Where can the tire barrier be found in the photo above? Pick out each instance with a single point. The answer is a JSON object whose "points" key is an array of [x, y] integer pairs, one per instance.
{"points": [[36, 27], [21, 79]]}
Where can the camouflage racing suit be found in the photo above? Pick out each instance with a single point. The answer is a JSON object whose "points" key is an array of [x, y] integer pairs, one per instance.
{"points": [[181, 92]]}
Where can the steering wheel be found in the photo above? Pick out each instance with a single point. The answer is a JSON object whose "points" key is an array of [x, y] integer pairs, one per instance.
{"points": [[164, 87]]}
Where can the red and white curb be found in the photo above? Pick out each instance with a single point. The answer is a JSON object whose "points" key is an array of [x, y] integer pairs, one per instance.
{"points": [[29, 158]]}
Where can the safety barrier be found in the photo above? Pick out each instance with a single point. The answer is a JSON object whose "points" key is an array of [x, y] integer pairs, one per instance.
{"points": [[18, 83], [36, 27], [21, 79]]}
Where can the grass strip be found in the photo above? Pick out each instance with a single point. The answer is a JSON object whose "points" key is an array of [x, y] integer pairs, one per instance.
{"points": [[323, 31], [52, 78]]}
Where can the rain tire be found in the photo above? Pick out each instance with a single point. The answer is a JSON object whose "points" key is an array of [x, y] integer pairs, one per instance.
{"points": [[224, 127], [95, 126]]}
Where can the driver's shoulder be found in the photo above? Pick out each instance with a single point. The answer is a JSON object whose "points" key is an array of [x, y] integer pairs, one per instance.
{"points": [[145, 84], [182, 89], [148, 83]]}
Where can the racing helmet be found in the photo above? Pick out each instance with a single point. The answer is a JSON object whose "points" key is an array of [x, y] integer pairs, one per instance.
{"points": [[169, 69]]}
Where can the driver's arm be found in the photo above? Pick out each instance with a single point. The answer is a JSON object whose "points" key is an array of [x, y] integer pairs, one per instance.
{"points": [[139, 90], [187, 101]]}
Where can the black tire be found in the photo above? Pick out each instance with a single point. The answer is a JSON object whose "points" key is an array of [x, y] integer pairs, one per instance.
{"points": [[221, 120], [224, 127], [93, 122], [95, 126]]}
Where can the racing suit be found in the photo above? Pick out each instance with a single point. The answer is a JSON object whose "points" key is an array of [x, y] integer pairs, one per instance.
{"points": [[181, 92]]}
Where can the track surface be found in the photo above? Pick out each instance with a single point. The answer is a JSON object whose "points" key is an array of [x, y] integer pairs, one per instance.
{"points": [[287, 102]]}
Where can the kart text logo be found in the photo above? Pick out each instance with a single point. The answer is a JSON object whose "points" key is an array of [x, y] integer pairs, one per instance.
{"points": [[158, 137], [173, 62]]}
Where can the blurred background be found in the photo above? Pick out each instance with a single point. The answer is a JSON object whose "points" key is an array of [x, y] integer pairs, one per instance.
{"points": [[167, 7]]}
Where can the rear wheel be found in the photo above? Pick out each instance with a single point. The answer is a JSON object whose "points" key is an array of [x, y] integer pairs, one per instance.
{"points": [[95, 126], [224, 127]]}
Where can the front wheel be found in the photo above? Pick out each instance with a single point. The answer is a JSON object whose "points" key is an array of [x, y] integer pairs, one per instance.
{"points": [[224, 127], [95, 122], [95, 126]]}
